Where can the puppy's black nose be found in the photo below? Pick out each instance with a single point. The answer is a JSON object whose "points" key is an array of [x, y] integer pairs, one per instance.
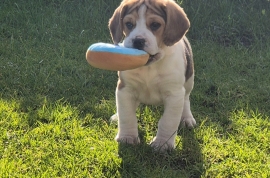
{"points": [[138, 43]]}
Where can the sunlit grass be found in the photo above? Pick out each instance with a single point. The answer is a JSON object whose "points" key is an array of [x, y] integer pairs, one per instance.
{"points": [[55, 108]]}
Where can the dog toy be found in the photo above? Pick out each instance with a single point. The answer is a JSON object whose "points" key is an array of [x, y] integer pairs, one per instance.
{"points": [[113, 57]]}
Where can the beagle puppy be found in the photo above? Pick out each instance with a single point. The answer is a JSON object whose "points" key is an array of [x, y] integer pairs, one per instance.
{"points": [[157, 27]]}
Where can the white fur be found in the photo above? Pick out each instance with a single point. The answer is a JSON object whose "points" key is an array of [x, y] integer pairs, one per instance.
{"points": [[162, 82]]}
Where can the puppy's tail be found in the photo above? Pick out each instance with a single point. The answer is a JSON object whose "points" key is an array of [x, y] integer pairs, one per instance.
{"points": [[114, 118]]}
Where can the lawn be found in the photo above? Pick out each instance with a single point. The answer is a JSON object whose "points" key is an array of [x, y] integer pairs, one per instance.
{"points": [[55, 108]]}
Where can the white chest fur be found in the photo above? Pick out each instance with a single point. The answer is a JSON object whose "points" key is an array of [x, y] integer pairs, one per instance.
{"points": [[152, 84]]}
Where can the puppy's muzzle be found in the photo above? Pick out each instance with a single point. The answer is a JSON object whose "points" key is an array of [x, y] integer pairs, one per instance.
{"points": [[138, 43]]}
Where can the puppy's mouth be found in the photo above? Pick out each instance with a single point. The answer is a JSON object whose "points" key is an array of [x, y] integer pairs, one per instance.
{"points": [[153, 58]]}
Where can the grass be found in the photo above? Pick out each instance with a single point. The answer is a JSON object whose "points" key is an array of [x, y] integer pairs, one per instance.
{"points": [[55, 108]]}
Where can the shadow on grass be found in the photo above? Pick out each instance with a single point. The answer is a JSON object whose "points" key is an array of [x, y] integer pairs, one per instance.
{"points": [[142, 161]]}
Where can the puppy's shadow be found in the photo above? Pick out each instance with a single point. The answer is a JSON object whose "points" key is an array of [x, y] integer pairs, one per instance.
{"points": [[142, 161]]}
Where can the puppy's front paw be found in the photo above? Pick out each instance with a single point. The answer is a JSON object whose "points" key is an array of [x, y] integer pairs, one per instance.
{"points": [[188, 122], [162, 144], [128, 139]]}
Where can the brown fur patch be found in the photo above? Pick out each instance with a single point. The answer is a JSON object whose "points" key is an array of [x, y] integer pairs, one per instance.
{"points": [[153, 17], [116, 21], [176, 20], [189, 59], [131, 17]]}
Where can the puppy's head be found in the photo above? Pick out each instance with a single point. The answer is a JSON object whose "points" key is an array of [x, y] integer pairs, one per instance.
{"points": [[148, 25]]}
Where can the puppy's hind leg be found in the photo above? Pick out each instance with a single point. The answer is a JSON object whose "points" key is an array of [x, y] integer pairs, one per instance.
{"points": [[187, 119]]}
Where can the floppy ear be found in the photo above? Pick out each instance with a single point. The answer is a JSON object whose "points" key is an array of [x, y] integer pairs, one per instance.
{"points": [[115, 25], [177, 23]]}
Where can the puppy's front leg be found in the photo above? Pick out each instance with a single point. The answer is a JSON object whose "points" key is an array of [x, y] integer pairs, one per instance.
{"points": [[127, 121], [169, 122]]}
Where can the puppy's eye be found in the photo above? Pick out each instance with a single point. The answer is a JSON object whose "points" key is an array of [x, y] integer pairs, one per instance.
{"points": [[154, 26], [129, 25]]}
